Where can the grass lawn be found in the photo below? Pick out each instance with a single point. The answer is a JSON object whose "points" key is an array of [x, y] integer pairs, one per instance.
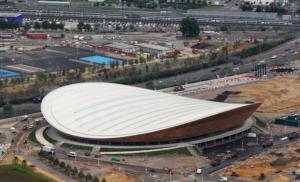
{"points": [[32, 137], [178, 151], [211, 8], [49, 139], [79, 147], [121, 150], [11, 173]]}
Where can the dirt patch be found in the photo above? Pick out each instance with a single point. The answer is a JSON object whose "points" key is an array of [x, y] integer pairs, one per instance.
{"points": [[118, 177], [275, 166], [281, 179], [277, 95]]}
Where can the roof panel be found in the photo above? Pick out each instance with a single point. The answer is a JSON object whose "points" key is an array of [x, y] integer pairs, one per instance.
{"points": [[107, 110]]}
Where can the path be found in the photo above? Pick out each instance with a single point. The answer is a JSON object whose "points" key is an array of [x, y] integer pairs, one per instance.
{"points": [[40, 138]]}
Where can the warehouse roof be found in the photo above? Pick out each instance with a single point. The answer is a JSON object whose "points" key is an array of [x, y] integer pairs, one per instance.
{"points": [[107, 110], [156, 47], [118, 45], [10, 14]]}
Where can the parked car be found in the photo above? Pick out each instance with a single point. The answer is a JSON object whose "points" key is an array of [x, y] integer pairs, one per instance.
{"points": [[72, 154], [199, 171], [274, 57], [223, 179], [13, 130], [24, 118], [179, 88]]}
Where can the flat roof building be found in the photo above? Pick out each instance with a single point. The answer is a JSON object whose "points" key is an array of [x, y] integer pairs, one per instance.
{"points": [[154, 49], [122, 47], [54, 3], [12, 17]]}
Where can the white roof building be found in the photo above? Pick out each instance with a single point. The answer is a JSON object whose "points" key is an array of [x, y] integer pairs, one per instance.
{"points": [[118, 46], [107, 110]]}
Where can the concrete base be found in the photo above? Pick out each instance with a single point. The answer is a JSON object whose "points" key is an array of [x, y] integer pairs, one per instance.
{"points": [[211, 141]]}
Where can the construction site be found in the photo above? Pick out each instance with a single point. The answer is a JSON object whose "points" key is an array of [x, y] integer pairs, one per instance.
{"points": [[276, 165]]}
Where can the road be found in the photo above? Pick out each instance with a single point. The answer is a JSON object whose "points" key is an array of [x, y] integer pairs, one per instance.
{"points": [[34, 159], [246, 66], [90, 14]]}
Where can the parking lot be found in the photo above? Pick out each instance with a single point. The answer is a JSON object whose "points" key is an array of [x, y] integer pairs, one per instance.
{"points": [[49, 59]]}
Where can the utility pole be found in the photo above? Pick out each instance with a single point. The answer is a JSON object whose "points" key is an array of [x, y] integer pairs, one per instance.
{"points": [[243, 145]]}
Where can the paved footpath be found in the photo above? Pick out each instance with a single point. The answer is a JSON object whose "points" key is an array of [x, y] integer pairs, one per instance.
{"points": [[40, 138]]}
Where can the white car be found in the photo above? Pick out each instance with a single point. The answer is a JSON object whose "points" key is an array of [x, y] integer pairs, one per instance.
{"points": [[223, 179], [274, 57], [13, 130], [199, 171], [72, 154]]}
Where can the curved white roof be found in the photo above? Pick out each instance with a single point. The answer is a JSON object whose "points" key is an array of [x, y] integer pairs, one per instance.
{"points": [[107, 110]]}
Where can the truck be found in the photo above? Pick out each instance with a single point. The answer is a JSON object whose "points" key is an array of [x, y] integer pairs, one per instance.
{"points": [[286, 18], [37, 36], [115, 159], [48, 149]]}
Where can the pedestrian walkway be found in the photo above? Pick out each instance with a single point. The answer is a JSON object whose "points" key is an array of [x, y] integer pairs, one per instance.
{"points": [[192, 150], [40, 138]]}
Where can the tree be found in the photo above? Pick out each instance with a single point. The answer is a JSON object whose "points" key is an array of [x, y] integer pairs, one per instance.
{"points": [[80, 25], [189, 27], [15, 160], [60, 26], [27, 26], [246, 7], [68, 169], [75, 171], [37, 25], [81, 175], [103, 179], [45, 25], [56, 162], [8, 107], [62, 164], [262, 176], [147, 68], [53, 25], [24, 163], [95, 179], [225, 50], [258, 9], [87, 27], [88, 177]]}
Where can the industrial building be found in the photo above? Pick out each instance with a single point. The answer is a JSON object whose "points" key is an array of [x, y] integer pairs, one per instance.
{"points": [[12, 17], [114, 114], [54, 3], [121, 47], [156, 50], [266, 2]]}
